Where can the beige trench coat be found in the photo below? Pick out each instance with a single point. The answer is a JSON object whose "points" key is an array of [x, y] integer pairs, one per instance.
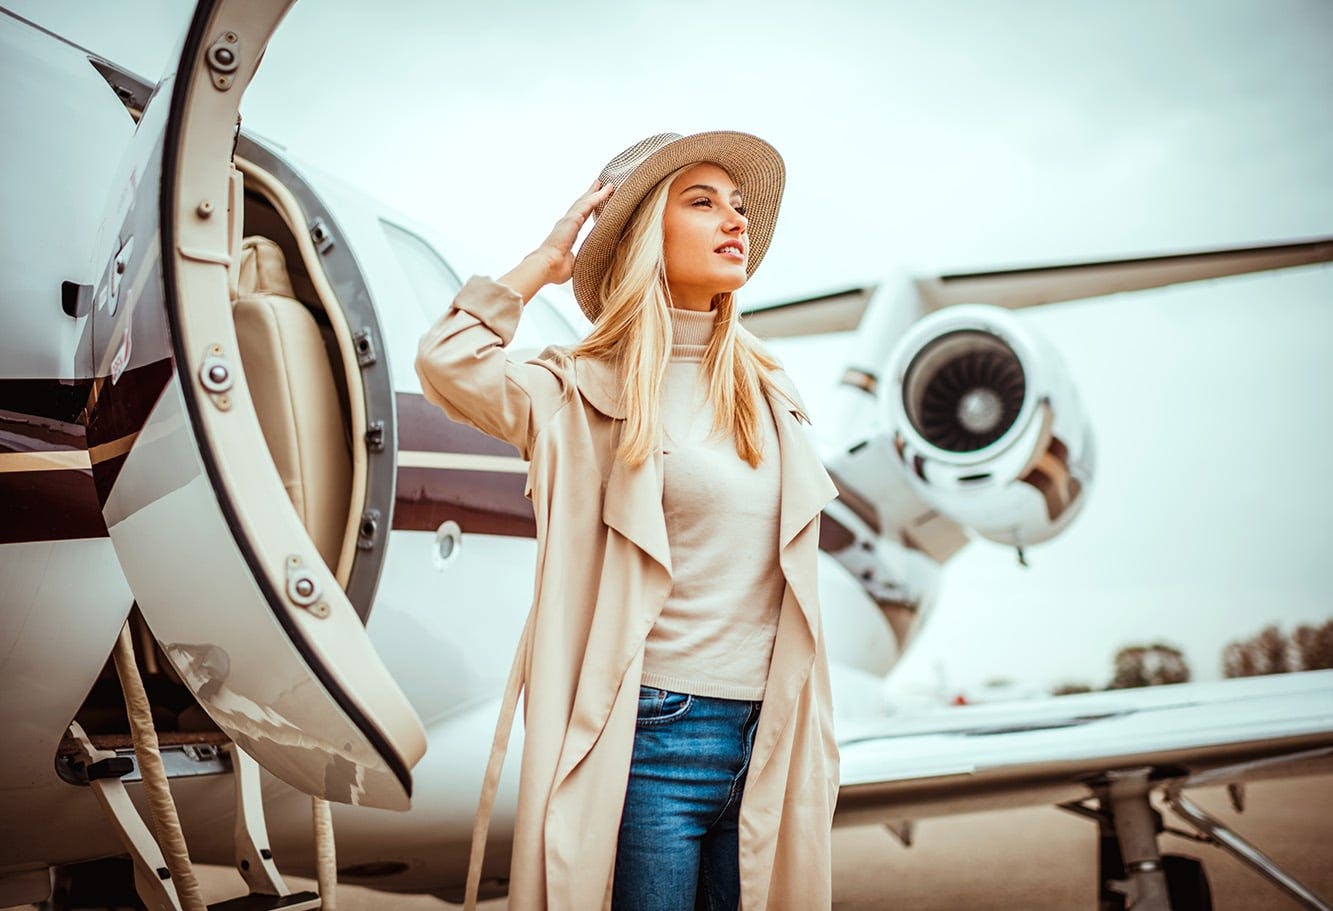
{"points": [[603, 574]]}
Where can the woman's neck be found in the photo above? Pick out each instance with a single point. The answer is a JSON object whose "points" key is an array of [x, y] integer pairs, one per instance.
{"points": [[691, 299], [691, 330]]}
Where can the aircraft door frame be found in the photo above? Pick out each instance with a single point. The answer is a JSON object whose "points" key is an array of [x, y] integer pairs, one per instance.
{"points": [[372, 403], [228, 579]]}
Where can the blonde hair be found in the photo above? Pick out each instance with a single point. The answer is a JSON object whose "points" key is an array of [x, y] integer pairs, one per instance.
{"points": [[633, 331]]}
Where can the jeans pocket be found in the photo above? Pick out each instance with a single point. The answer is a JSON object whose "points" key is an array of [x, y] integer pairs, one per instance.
{"points": [[659, 706]]}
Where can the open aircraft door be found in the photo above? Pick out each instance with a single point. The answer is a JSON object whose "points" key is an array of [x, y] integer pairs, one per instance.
{"points": [[251, 611]]}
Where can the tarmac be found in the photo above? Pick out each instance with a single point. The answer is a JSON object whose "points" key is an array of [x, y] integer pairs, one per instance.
{"points": [[1029, 859]]}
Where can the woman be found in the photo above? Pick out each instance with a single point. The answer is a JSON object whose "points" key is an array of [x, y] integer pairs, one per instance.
{"points": [[678, 748]]}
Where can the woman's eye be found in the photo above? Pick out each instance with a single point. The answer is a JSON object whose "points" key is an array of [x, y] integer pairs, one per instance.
{"points": [[705, 201], [740, 210]]}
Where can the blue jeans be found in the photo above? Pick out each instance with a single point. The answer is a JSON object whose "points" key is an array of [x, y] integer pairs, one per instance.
{"points": [[678, 845]]}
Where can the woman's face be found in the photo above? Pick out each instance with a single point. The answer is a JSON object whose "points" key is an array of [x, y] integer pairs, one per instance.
{"points": [[705, 241]]}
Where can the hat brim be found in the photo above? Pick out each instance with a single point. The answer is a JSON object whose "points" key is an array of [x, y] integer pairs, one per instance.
{"points": [[753, 164]]}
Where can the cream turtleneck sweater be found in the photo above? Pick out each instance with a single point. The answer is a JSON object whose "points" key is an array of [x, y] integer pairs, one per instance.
{"points": [[715, 633]]}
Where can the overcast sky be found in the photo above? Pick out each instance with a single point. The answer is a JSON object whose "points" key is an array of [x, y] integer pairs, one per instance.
{"points": [[926, 136]]}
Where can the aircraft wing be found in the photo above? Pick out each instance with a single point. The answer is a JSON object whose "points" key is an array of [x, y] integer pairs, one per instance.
{"points": [[1030, 286], [963, 759]]}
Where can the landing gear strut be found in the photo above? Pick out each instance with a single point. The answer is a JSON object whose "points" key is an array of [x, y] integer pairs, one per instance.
{"points": [[1132, 872], [1134, 876]]}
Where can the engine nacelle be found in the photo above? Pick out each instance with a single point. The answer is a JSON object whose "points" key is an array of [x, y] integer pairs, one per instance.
{"points": [[987, 424]]}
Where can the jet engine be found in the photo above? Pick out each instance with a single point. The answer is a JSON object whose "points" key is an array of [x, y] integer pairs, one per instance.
{"points": [[987, 424]]}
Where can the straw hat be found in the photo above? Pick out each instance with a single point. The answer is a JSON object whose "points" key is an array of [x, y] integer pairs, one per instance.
{"points": [[753, 164]]}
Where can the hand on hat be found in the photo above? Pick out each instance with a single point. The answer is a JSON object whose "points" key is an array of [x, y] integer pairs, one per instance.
{"points": [[558, 247], [553, 262]]}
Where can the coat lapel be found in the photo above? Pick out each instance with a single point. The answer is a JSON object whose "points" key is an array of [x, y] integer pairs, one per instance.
{"points": [[632, 503], [633, 507], [806, 489]]}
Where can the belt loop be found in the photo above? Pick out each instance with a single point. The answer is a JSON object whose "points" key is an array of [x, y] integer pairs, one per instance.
{"points": [[491, 782]]}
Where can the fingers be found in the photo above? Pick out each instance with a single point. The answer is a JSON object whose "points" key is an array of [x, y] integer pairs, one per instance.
{"points": [[561, 239], [590, 200]]}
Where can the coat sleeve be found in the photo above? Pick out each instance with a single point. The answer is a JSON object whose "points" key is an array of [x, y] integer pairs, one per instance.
{"points": [[465, 371]]}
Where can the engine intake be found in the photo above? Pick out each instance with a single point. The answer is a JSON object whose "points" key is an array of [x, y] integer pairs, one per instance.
{"points": [[987, 425], [964, 390]]}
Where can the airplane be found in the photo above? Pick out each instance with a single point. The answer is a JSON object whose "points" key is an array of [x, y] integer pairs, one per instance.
{"points": [[216, 467]]}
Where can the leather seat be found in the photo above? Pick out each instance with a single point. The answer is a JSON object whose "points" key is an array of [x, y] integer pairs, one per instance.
{"points": [[292, 384]]}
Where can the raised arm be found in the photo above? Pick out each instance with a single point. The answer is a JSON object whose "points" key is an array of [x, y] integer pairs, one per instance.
{"points": [[552, 263], [461, 360]]}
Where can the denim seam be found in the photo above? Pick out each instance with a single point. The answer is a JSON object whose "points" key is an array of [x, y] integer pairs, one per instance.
{"points": [[738, 782], [679, 713], [707, 891]]}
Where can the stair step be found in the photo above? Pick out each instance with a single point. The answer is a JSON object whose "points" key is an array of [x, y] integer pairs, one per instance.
{"points": [[297, 901]]}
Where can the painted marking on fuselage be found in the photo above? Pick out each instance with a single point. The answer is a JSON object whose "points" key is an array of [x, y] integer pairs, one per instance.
{"points": [[56, 505], [448, 470], [104, 451], [461, 461], [50, 460]]}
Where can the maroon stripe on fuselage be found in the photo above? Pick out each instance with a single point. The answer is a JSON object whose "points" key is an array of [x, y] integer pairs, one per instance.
{"points": [[425, 428], [118, 409], [481, 502], [492, 502], [55, 415], [42, 415], [46, 415], [49, 506]]}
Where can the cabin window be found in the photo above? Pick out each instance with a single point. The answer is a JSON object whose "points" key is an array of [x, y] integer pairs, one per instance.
{"points": [[432, 281]]}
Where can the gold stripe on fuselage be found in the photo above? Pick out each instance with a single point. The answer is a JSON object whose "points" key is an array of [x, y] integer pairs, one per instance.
{"points": [[66, 459], [57, 460], [119, 446]]}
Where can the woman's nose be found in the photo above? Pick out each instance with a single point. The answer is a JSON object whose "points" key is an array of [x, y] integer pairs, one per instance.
{"points": [[737, 222]]}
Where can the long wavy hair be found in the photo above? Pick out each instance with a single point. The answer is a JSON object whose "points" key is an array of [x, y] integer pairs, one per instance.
{"points": [[634, 332]]}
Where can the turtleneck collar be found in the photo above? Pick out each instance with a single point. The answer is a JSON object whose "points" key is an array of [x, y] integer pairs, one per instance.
{"points": [[690, 332]]}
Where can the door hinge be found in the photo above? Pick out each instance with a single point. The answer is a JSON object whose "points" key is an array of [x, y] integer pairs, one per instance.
{"points": [[321, 235], [364, 343], [375, 436], [368, 530]]}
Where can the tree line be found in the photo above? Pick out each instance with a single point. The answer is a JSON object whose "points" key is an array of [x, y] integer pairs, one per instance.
{"points": [[1269, 651]]}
